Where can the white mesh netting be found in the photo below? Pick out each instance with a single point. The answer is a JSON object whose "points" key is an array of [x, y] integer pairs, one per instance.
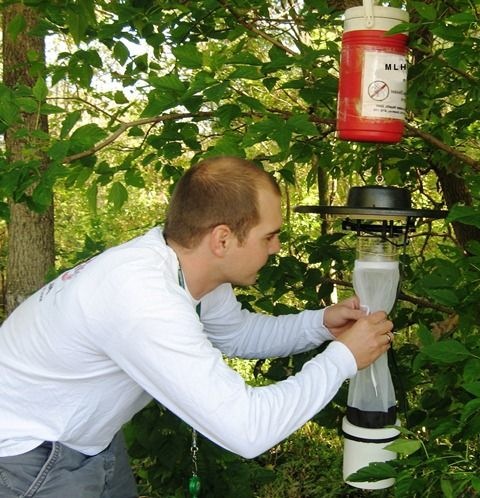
{"points": [[371, 391]]}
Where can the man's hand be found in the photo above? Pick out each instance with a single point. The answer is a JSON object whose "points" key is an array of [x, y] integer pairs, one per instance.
{"points": [[340, 317], [368, 338]]}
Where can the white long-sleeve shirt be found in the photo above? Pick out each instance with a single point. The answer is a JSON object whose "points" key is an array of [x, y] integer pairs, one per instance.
{"points": [[86, 352]]}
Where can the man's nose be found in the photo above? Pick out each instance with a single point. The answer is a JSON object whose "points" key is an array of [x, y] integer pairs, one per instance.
{"points": [[274, 245]]}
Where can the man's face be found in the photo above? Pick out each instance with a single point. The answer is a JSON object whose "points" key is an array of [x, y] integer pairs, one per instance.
{"points": [[261, 241]]}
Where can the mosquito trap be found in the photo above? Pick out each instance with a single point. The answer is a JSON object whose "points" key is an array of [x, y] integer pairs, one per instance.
{"points": [[382, 218]]}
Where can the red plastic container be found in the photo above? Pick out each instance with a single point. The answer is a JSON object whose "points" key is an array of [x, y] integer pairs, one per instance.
{"points": [[373, 77]]}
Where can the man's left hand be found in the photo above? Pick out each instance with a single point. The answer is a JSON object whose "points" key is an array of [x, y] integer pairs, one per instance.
{"points": [[340, 317]]}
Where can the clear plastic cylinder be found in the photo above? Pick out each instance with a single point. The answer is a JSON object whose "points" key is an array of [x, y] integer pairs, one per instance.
{"points": [[376, 249]]}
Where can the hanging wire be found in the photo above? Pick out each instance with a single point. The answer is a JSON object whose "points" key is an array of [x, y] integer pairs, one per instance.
{"points": [[379, 178], [194, 482]]}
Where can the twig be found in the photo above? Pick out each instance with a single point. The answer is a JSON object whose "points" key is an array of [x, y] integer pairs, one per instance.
{"points": [[443, 146], [124, 126], [255, 30], [418, 301]]}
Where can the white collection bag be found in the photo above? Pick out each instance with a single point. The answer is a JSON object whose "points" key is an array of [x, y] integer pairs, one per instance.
{"points": [[371, 397]]}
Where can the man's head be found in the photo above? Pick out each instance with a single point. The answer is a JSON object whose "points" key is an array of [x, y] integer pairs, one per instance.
{"points": [[217, 191]]}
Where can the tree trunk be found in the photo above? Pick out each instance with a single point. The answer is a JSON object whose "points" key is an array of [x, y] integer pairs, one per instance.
{"points": [[455, 190], [30, 235]]}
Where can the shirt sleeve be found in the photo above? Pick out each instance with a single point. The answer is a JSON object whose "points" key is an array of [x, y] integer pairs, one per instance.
{"points": [[155, 337], [243, 334]]}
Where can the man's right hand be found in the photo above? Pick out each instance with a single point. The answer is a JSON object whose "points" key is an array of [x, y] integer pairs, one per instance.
{"points": [[368, 338]]}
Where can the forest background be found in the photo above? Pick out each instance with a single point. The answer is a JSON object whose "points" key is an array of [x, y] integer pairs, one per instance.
{"points": [[104, 104]]}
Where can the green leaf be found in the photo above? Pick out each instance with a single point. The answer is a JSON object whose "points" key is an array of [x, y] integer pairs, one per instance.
{"points": [[87, 136], [288, 175], [9, 113], [172, 150], [262, 130], [134, 178], [449, 32], [228, 112], [158, 102], [473, 388], [80, 16], [425, 10], [216, 92], [227, 145], [251, 102], [59, 74], [119, 98], [425, 335], [121, 52], [58, 150], [297, 84], [447, 297], [117, 195], [269, 83], [404, 446], [200, 82], [471, 408], [193, 104], [476, 483], [447, 351], [76, 26], [188, 56], [247, 73], [278, 60], [40, 90], [4, 211], [83, 175], [80, 73], [27, 104], [282, 136], [42, 195], [447, 488], [374, 472], [403, 27], [48, 109], [169, 82], [92, 58], [301, 124], [471, 372], [461, 18], [246, 58], [91, 194], [136, 131], [16, 26], [465, 214], [69, 122]]}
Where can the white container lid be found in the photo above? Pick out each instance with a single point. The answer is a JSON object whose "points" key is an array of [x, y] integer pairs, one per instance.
{"points": [[374, 17]]}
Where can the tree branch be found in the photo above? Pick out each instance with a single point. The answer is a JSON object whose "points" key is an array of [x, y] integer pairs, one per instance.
{"points": [[124, 126], [253, 29], [442, 146], [418, 301]]}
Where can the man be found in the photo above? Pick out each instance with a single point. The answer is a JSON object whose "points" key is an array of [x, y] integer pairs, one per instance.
{"points": [[152, 318]]}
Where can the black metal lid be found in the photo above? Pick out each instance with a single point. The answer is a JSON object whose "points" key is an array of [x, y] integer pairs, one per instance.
{"points": [[376, 201]]}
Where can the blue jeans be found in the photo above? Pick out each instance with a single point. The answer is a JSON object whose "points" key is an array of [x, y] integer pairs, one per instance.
{"points": [[53, 470]]}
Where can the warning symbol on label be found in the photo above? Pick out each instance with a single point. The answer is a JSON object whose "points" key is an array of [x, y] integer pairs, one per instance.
{"points": [[378, 90]]}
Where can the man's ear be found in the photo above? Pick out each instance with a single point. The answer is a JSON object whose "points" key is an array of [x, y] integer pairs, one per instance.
{"points": [[221, 238]]}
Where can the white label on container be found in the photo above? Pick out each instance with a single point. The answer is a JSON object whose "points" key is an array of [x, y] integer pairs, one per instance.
{"points": [[384, 85]]}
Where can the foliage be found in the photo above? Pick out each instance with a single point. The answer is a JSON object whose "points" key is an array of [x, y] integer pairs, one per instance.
{"points": [[137, 90], [156, 436]]}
